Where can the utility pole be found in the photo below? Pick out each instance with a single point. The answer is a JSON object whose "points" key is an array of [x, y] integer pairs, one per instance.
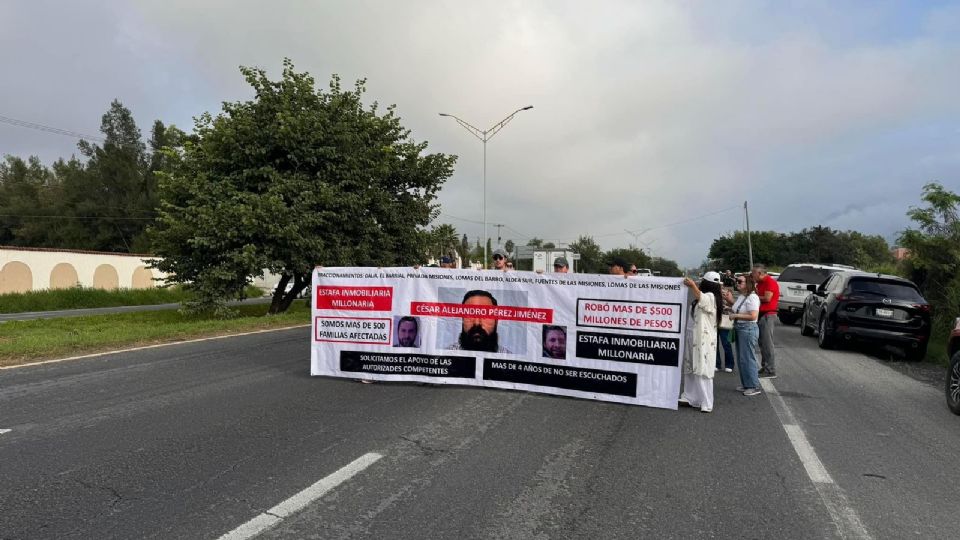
{"points": [[498, 226], [485, 135], [636, 235], [746, 214]]}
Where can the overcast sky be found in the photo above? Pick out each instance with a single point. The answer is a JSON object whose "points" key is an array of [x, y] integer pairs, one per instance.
{"points": [[647, 116]]}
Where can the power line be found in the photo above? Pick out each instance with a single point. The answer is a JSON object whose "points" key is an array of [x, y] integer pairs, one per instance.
{"points": [[607, 235], [48, 129], [461, 219]]}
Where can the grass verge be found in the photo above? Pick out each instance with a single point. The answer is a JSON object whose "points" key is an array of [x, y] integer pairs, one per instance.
{"points": [[29, 341], [85, 298]]}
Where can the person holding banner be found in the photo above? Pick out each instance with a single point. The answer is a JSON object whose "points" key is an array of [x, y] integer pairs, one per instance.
{"points": [[700, 349], [724, 333]]}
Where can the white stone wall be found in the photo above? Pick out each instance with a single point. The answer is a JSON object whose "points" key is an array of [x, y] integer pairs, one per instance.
{"points": [[41, 263]]}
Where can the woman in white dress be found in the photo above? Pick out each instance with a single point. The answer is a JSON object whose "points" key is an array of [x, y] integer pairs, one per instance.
{"points": [[700, 347]]}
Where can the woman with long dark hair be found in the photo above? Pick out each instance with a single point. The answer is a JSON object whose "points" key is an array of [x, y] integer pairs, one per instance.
{"points": [[700, 347]]}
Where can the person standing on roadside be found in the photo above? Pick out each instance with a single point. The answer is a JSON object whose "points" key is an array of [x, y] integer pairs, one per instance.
{"points": [[724, 331], [618, 266], [500, 259], [744, 314], [700, 346], [769, 292], [729, 280]]}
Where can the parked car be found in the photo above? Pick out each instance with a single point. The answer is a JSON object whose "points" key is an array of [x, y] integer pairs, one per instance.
{"points": [[858, 306], [793, 287], [953, 372]]}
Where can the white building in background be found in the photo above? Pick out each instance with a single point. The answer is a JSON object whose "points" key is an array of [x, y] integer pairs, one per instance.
{"points": [[35, 269], [542, 259]]}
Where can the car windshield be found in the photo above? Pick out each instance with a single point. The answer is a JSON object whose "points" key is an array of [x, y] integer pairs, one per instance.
{"points": [[889, 289], [805, 274]]}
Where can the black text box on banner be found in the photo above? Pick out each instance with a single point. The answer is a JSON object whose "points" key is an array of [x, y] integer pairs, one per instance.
{"points": [[597, 381], [408, 364], [659, 317], [650, 350]]}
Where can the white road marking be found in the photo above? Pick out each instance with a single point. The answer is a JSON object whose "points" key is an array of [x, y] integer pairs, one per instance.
{"points": [[276, 514], [844, 517], [2, 431], [157, 346]]}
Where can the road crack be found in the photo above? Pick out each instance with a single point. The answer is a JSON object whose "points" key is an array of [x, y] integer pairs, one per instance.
{"points": [[425, 448]]}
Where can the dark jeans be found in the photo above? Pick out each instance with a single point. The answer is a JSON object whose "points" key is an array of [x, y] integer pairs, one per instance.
{"points": [[723, 335]]}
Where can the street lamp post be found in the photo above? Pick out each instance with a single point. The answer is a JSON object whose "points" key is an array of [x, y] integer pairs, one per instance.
{"points": [[484, 136]]}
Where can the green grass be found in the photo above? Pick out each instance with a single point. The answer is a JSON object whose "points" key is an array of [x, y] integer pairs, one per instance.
{"points": [[939, 334], [27, 341], [84, 298]]}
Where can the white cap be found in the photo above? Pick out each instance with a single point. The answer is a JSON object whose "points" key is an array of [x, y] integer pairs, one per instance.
{"points": [[712, 276]]}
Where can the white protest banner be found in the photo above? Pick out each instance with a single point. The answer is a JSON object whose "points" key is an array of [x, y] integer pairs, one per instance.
{"points": [[608, 338]]}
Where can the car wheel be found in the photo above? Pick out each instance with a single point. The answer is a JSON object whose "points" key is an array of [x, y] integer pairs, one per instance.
{"points": [[915, 355], [787, 318], [805, 329], [824, 338], [953, 384]]}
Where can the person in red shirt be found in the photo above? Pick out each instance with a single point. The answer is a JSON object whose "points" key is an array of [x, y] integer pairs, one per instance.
{"points": [[769, 292]]}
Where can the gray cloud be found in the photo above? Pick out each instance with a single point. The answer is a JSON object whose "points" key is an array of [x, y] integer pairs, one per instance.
{"points": [[645, 113]]}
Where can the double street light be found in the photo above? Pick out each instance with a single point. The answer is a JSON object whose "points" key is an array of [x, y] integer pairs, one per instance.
{"points": [[484, 136]]}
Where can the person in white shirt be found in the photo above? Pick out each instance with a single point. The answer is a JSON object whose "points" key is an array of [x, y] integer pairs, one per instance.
{"points": [[700, 346], [744, 314]]}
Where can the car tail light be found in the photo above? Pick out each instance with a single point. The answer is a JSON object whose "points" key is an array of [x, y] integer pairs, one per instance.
{"points": [[922, 307], [840, 297]]}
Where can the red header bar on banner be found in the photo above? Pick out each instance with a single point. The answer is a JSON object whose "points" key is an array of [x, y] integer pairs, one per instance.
{"points": [[345, 298], [502, 313]]}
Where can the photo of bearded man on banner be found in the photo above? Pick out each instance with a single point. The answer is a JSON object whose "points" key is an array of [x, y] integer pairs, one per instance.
{"points": [[480, 334]]}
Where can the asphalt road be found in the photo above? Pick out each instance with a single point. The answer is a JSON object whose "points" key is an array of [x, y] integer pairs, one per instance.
{"points": [[195, 440], [30, 315]]}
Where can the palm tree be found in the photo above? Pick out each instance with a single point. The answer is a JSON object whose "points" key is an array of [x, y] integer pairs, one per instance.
{"points": [[444, 240]]}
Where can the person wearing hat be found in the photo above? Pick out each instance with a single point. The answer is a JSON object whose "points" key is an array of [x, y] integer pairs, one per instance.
{"points": [[446, 262], [700, 341], [618, 266], [560, 265], [499, 259]]}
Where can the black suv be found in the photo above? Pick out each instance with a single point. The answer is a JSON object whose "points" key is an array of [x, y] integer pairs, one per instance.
{"points": [[878, 308], [953, 371]]}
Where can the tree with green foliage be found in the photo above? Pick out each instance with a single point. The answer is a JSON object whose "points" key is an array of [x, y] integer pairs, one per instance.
{"points": [[24, 189], [821, 245], [934, 247], [591, 256], [509, 246], [114, 188], [476, 254], [665, 267], [294, 178], [632, 255], [464, 250], [443, 240]]}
